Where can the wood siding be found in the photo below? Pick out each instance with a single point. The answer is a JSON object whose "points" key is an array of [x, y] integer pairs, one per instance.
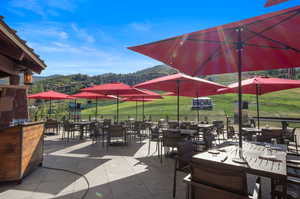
{"points": [[10, 147]]}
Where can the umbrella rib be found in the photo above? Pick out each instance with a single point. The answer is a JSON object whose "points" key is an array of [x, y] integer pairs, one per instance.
{"points": [[246, 24], [272, 26], [264, 46], [259, 34], [235, 43], [285, 46], [216, 53]]}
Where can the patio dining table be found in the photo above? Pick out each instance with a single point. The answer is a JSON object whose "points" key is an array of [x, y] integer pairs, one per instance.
{"points": [[249, 132], [257, 161], [184, 132], [82, 125]]}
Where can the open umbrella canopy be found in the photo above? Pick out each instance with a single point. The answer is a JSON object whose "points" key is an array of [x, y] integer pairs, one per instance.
{"points": [[265, 42], [90, 95], [262, 85], [50, 95], [139, 99], [116, 88], [274, 2], [188, 86], [268, 42], [144, 95]]}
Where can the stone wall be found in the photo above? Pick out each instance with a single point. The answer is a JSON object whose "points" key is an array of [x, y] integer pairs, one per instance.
{"points": [[13, 105]]}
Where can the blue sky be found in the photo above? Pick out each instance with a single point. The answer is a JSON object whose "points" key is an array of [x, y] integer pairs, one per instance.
{"points": [[91, 36]]}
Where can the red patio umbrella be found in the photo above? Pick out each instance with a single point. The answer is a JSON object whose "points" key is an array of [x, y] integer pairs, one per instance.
{"points": [[265, 42], [274, 2], [182, 85], [118, 89], [50, 95], [262, 85], [96, 96]]}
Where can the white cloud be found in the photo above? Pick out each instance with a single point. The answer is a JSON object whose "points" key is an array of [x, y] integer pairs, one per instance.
{"points": [[82, 34], [42, 31], [31, 5], [44, 7], [142, 27]]}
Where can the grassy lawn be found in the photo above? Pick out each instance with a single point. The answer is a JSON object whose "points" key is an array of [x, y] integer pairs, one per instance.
{"points": [[283, 103]]}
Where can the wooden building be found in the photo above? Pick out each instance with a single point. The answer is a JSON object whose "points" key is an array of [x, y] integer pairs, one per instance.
{"points": [[21, 144]]}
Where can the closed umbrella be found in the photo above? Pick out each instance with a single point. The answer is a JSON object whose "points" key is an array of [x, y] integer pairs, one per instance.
{"points": [[118, 89], [96, 96], [265, 42], [50, 95], [262, 85], [182, 85]]}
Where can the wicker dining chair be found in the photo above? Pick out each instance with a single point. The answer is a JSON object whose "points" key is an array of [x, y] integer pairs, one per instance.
{"points": [[185, 152], [116, 132], [69, 129], [154, 136], [291, 139], [197, 190], [293, 178]]}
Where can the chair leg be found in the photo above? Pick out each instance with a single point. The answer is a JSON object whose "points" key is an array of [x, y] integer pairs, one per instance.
{"points": [[161, 153], [149, 146], [296, 143], [174, 179], [107, 143]]}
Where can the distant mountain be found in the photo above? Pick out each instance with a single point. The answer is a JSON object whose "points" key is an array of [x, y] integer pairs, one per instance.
{"points": [[39, 78], [73, 83]]}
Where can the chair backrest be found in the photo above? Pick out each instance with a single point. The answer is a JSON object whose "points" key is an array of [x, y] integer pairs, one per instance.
{"points": [[95, 128], [185, 152], [163, 124], [199, 190], [290, 134], [116, 131], [228, 179], [106, 122], [230, 132], [185, 125], [50, 123], [154, 132], [171, 138], [268, 134], [67, 125], [173, 125]]}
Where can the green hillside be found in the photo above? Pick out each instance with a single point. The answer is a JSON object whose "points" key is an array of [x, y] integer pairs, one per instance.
{"points": [[283, 103]]}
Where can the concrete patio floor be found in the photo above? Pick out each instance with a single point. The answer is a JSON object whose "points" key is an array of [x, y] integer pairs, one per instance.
{"points": [[124, 172]]}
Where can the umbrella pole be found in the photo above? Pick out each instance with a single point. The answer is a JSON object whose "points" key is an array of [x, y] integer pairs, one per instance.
{"points": [[143, 109], [118, 108], [136, 111], [239, 51], [257, 106], [75, 113], [50, 108], [96, 108], [198, 113], [178, 85]]}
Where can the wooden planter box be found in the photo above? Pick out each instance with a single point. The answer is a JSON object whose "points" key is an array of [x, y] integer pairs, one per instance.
{"points": [[21, 150]]}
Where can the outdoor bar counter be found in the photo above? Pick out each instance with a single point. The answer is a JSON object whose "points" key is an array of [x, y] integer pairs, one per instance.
{"points": [[21, 150]]}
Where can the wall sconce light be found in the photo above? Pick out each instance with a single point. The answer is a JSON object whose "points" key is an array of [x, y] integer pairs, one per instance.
{"points": [[28, 77]]}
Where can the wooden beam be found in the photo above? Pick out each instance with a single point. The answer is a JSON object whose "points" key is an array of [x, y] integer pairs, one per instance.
{"points": [[21, 44], [7, 66]]}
